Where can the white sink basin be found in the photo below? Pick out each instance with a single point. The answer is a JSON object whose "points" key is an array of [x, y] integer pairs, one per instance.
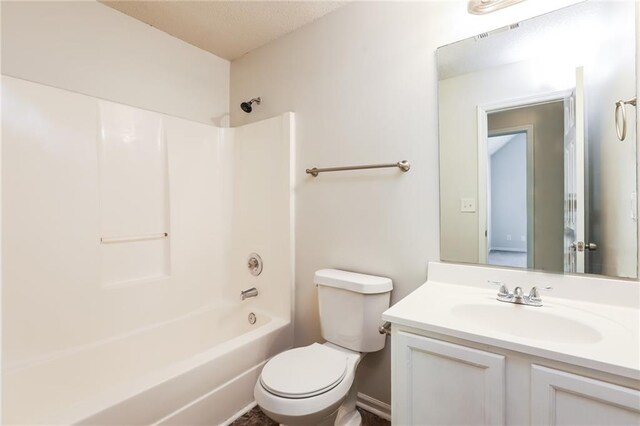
{"points": [[586, 321], [527, 321]]}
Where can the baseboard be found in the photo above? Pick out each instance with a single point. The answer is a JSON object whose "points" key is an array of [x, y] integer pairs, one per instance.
{"points": [[515, 250], [239, 414], [379, 408]]}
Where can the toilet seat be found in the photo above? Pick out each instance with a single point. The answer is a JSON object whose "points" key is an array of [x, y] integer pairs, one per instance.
{"points": [[304, 372]]}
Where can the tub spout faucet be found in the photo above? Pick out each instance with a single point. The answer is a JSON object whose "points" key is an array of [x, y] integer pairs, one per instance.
{"points": [[252, 292]]}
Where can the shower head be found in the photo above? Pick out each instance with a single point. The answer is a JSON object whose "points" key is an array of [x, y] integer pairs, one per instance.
{"points": [[246, 106]]}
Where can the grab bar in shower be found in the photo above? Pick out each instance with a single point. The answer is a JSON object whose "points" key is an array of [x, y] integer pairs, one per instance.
{"points": [[402, 165], [109, 240]]}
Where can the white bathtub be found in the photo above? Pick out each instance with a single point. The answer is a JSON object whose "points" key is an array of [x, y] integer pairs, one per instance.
{"points": [[196, 369]]}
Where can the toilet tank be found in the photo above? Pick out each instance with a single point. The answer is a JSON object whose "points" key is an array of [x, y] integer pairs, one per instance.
{"points": [[351, 307]]}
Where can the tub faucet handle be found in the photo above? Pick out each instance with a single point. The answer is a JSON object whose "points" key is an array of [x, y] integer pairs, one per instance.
{"points": [[254, 264]]}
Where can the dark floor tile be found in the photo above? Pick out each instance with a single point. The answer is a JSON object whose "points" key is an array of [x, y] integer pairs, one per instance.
{"points": [[256, 417], [370, 419]]}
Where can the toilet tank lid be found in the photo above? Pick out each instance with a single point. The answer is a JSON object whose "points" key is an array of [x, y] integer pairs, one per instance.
{"points": [[353, 281]]}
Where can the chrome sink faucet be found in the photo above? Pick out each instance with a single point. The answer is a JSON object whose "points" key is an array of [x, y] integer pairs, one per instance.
{"points": [[518, 296]]}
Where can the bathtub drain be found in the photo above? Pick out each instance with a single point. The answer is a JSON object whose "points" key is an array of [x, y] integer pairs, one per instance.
{"points": [[252, 318]]}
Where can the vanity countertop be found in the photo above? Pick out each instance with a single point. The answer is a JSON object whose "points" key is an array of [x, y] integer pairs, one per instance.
{"points": [[599, 334]]}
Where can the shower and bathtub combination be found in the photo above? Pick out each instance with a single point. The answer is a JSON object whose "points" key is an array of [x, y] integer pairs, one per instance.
{"points": [[128, 239]]}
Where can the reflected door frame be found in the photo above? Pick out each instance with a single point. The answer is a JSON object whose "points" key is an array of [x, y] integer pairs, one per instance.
{"points": [[483, 134]]}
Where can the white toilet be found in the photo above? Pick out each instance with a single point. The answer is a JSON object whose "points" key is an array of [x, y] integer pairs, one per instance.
{"points": [[313, 385]]}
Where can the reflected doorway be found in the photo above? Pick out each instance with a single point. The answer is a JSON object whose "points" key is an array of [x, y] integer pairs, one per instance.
{"points": [[520, 175]]}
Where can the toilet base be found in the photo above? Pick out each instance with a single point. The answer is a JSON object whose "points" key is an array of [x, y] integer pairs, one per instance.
{"points": [[348, 415], [352, 418], [340, 418], [327, 421]]}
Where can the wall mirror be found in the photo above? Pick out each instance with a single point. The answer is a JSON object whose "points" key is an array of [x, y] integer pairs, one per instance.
{"points": [[538, 143]]}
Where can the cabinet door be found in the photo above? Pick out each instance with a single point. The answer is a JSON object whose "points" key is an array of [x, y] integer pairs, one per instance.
{"points": [[439, 383], [560, 398]]}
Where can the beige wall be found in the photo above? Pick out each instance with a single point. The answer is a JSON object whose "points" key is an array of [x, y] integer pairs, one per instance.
{"points": [[547, 121], [87, 47], [362, 81]]}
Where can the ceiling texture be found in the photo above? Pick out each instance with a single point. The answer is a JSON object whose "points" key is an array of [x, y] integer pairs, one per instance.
{"points": [[226, 28]]}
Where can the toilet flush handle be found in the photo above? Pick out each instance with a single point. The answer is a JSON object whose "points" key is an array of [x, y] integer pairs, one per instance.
{"points": [[385, 328]]}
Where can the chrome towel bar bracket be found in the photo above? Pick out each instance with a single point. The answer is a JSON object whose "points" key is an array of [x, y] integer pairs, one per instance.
{"points": [[402, 165]]}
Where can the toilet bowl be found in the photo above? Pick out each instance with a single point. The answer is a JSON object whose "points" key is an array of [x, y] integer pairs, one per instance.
{"points": [[310, 385], [314, 385]]}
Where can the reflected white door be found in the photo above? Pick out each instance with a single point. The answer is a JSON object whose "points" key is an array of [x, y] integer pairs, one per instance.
{"points": [[574, 178]]}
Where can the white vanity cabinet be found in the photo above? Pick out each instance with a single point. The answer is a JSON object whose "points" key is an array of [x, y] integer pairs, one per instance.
{"points": [[442, 381], [561, 398]]}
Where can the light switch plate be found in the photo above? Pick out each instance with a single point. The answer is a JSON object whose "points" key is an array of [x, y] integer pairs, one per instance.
{"points": [[468, 205]]}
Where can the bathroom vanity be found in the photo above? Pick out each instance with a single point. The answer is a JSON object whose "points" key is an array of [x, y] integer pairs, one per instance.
{"points": [[524, 166], [461, 356]]}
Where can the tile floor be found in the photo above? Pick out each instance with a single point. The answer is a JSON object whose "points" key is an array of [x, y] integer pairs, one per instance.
{"points": [[256, 417]]}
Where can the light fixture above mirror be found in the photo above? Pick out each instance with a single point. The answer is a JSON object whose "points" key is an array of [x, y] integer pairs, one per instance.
{"points": [[481, 7]]}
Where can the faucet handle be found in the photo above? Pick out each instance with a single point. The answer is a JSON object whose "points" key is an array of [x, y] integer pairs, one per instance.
{"points": [[503, 291], [518, 294], [534, 294]]}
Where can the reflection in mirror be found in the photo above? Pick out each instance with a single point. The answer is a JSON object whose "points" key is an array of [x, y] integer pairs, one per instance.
{"points": [[533, 170]]}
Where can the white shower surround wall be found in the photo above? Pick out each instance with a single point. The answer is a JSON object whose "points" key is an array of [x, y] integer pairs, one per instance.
{"points": [[79, 348]]}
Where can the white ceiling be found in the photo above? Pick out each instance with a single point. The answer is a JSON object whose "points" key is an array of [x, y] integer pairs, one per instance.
{"points": [[227, 28]]}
